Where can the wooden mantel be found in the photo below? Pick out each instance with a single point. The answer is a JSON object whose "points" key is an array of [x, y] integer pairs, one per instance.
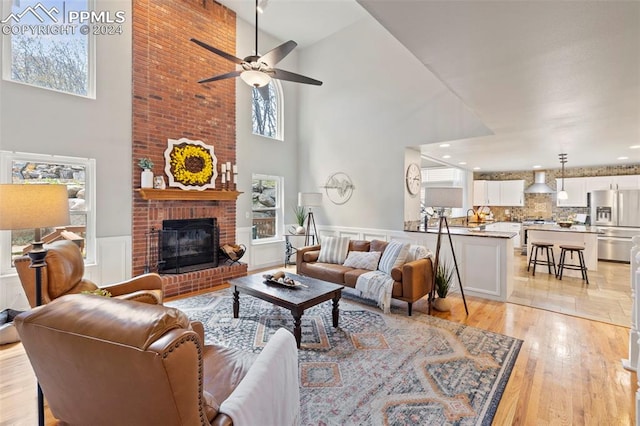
{"points": [[181, 194]]}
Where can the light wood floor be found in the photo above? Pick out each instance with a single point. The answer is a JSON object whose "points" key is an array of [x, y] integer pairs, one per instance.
{"points": [[568, 372], [606, 298]]}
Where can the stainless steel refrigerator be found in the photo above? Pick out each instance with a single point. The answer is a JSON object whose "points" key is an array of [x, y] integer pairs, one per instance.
{"points": [[617, 214]]}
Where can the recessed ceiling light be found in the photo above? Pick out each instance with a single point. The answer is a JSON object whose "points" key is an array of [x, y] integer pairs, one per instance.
{"points": [[634, 146], [444, 145], [462, 163], [446, 156], [623, 158], [476, 168], [537, 166]]}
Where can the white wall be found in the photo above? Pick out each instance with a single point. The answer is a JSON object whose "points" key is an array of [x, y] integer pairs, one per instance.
{"points": [[47, 122], [376, 100], [257, 154]]}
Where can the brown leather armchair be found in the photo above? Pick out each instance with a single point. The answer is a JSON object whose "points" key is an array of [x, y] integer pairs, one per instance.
{"points": [[105, 361], [64, 275]]}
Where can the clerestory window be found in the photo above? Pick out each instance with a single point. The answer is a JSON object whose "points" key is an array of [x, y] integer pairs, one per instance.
{"points": [[267, 110], [43, 48]]}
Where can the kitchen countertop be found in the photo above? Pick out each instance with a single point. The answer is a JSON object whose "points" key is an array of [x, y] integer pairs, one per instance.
{"points": [[584, 229], [473, 231]]}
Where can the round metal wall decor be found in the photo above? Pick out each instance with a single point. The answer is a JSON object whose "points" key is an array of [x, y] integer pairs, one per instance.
{"points": [[339, 188]]}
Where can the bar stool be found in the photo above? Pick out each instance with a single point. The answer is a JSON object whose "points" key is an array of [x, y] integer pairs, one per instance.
{"points": [[533, 258], [578, 267]]}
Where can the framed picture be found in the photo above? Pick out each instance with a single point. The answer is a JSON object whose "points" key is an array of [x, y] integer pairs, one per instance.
{"points": [[190, 164]]}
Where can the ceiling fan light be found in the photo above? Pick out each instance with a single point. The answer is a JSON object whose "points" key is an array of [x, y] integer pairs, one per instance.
{"points": [[563, 195], [255, 78]]}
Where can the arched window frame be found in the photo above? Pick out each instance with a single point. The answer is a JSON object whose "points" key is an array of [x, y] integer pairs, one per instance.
{"points": [[279, 110]]}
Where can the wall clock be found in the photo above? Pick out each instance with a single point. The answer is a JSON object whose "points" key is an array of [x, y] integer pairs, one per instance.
{"points": [[414, 179]]}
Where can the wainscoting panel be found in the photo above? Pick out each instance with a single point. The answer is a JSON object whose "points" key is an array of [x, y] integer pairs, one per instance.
{"points": [[113, 265]]}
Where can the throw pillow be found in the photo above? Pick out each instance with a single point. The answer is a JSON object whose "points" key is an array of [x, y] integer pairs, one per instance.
{"points": [[363, 260], [394, 255], [417, 252], [334, 250]]}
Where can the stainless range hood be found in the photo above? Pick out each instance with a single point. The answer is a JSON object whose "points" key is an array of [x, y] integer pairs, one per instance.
{"points": [[539, 186]]}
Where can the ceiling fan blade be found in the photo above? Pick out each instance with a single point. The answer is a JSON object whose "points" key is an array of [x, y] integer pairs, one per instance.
{"points": [[218, 52], [277, 54], [291, 76], [231, 74]]}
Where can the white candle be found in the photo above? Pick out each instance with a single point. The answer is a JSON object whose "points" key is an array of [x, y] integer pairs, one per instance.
{"points": [[228, 166], [223, 168], [235, 178], [223, 178], [229, 176], [235, 169]]}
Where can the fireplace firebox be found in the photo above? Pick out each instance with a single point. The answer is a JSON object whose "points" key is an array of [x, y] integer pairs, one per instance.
{"points": [[186, 245]]}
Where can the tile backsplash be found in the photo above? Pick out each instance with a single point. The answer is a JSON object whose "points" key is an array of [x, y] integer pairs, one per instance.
{"points": [[543, 206]]}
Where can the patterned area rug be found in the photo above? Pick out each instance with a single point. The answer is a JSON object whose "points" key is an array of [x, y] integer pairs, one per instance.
{"points": [[373, 369]]}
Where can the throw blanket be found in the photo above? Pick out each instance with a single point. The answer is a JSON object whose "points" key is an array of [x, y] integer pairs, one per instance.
{"points": [[248, 405], [376, 285]]}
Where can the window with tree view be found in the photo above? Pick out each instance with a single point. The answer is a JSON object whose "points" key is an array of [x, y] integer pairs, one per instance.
{"points": [[57, 60], [266, 192], [76, 174], [266, 110]]}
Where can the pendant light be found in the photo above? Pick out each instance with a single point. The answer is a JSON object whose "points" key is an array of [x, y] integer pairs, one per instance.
{"points": [[562, 194]]}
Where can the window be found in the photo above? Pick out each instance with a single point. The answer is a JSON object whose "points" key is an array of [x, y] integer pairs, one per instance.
{"points": [[266, 192], [78, 175], [42, 48], [266, 110]]}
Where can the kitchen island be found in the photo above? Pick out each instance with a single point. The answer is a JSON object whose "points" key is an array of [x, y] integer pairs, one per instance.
{"points": [[485, 258], [577, 235]]}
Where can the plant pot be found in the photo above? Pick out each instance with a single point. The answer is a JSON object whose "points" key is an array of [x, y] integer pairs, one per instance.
{"points": [[442, 304], [146, 179], [300, 230]]}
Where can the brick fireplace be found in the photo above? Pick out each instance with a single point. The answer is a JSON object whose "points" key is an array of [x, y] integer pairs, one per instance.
{"points": [[168, 103]]}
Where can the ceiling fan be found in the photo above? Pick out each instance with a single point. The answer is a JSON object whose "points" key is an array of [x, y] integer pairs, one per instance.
{"points": [[257, 71]]}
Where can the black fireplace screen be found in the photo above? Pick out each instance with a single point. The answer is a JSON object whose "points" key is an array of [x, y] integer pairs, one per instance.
{"points": [[186, 245]]}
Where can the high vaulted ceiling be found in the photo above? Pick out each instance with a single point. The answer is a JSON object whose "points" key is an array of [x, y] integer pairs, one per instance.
{"points": [[545, 76]]}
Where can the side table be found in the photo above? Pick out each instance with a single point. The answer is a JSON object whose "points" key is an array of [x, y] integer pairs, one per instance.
{"points": [[290, 249]]}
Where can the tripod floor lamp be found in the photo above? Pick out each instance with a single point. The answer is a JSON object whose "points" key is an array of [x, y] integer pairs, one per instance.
{"points": [[310, 200], [441, 198], [34, 207]]}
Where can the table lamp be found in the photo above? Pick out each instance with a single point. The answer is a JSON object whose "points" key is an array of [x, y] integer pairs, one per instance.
{"points": [[440, 198], [310, 200], [34, 206]]}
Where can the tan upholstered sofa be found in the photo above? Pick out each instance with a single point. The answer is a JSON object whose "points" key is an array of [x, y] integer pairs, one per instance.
{"points": [[64, 274], [105, 361], [412, 281]]}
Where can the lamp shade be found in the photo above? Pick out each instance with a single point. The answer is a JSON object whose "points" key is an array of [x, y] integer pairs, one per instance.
{"points": [[25, 206], [309, 199], [443, 197]]}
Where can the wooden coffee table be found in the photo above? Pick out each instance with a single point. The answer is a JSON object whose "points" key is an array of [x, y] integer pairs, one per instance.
{"points": [[294, 299]]}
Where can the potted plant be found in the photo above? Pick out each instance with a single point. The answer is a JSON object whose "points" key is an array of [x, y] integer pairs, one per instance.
{"points": [[146, 177], [301, 215], [444, 276]]}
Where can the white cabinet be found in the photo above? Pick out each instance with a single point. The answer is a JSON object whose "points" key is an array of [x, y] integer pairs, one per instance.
{"points": [[498, 193], [598, 183], [512, 193], [507, 227], [576, 190]]}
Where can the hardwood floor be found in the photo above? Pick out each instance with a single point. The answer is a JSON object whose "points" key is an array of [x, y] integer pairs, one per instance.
{"points": [[606, 298], [568, 372]]}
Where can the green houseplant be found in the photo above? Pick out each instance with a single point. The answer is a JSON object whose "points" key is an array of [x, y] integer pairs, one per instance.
{"points": [[444, 277], [146, 177], [301, 214]]}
